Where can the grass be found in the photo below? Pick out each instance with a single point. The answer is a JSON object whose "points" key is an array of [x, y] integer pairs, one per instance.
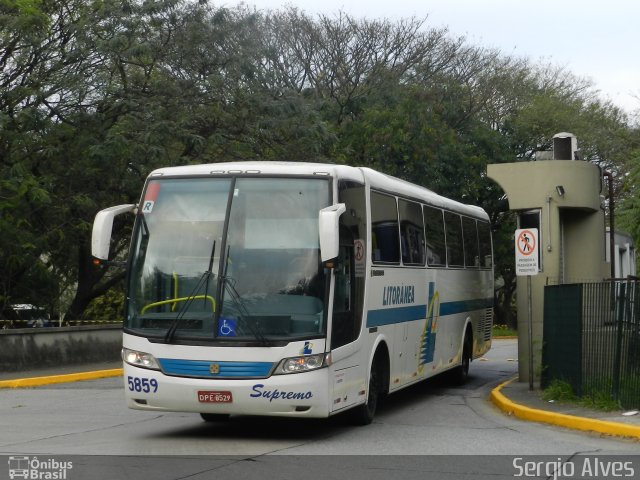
{"points": [[561, 391], [600, 401], [600, 389], [503, 331]]}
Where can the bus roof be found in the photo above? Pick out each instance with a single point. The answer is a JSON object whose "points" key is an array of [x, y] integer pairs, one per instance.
{"points": [[388, 183], [373, 178]]}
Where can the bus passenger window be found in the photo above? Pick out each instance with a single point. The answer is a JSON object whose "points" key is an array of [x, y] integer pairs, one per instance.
{"points": [[436, 252], [470, 236], [411, 233], [455, 252], [384, 226], [484, 234]]}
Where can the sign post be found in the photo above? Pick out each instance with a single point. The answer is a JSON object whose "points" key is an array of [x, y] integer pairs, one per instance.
{"points": [[527, 262]]}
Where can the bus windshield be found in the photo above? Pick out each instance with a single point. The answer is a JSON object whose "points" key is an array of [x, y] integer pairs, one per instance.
{"points": [[228, 259]]}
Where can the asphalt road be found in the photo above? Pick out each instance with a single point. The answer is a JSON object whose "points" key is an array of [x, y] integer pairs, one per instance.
{"points": [[88, 423]]}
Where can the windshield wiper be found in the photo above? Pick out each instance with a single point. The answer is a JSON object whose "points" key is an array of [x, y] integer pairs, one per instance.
{"points": [[243, 312], [202, 281]]}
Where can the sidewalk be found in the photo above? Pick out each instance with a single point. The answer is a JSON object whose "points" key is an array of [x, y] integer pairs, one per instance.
{"points": [[515, 398], [512, 397]]}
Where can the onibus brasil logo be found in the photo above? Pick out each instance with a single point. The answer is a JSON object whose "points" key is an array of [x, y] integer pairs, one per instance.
{"points": [[37, 469]]}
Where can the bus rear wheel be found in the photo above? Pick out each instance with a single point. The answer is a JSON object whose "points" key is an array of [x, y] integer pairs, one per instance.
{"points": [[461, 372]]}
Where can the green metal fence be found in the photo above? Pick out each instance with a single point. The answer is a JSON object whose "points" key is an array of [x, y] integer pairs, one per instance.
{"points": [[592, 339]]}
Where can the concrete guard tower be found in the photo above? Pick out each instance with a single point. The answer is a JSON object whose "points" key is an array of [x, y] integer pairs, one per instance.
{"points": [[561, 197]]}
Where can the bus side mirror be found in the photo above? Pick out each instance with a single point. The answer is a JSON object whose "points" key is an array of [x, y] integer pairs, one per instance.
{"points": [[102, 226], [329, 232]]}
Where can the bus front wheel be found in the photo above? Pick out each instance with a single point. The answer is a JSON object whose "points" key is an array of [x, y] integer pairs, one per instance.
{"points": [[214, 417], [363, 414]]}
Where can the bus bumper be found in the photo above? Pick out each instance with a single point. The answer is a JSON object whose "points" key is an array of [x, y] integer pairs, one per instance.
{"points": [[295, 395]]}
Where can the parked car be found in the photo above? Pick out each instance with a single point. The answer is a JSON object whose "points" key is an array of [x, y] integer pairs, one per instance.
{"points": [[26, 315]]}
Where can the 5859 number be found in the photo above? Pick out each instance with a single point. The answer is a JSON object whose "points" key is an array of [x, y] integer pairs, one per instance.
{"points": [[145, 385]]}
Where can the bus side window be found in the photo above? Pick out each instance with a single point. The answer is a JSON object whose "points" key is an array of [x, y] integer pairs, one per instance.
{"points": [[484, 234], [348, 298], [411, 233], [384, 229], [470, 237], [455, 252], [343, 315], [436, 247], [342, 301]]}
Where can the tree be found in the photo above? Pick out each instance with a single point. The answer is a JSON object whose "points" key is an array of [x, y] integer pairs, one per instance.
{"points": [[40, 62], [628, 212], [95, 95]]}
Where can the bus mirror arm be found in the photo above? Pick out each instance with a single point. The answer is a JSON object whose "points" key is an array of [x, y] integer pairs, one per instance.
{"points": [[98, 262], [328, 230], [332, 264]]}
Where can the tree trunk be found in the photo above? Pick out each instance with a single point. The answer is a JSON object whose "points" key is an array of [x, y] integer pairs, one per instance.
{"points": [[89, 286]]}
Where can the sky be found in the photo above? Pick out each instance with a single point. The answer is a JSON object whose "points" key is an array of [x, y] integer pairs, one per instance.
{"points": [[594, 39]]}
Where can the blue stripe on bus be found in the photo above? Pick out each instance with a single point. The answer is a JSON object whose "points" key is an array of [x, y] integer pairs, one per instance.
{"points": [[451, 308], [388, 316]]}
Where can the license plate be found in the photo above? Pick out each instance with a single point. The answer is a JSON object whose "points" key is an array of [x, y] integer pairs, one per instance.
{"points": [[215, 397]]}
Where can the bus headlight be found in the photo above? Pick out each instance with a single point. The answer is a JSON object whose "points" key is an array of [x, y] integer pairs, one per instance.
{"points": [[303, 364], [140, 359]]}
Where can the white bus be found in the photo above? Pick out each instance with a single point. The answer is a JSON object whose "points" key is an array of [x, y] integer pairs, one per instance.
{"points": [[296, 289]]}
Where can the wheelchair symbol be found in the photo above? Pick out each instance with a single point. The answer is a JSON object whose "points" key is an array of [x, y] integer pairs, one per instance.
{"points": [[227, 327]]}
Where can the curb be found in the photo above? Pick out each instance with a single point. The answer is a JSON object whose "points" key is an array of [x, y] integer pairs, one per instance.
{"points": [[50, 380], [561, 419]]}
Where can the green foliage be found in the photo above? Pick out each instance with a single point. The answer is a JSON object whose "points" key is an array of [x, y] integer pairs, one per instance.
{"points": [[108, 307], [96, 94], [599, 398], [559, 391], [629, 205], [503, 331]]}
